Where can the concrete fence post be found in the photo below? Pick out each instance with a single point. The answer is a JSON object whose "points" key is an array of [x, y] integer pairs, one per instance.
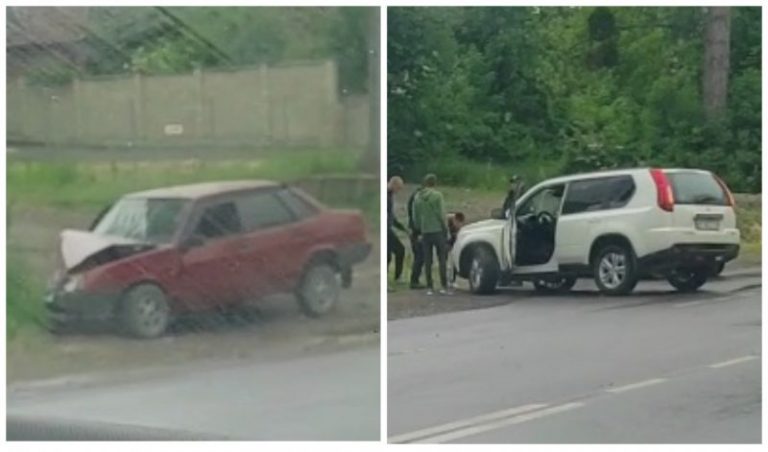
{"points": [[202, 134], [21, 85], [139, 134], [77, 94], [266, 102]]}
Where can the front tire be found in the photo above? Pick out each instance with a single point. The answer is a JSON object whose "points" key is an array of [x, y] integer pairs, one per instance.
{"points": [[560, 284], [483, 272], [144, 311], [319, 290], [688, 279], [615, 269]]}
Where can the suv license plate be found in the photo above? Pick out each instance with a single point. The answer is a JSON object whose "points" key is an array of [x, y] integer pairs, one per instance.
{"points": [[707, 224]]}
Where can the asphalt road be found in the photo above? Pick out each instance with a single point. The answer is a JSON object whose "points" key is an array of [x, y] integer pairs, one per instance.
{"points": [[654, 367], [322, 395]]}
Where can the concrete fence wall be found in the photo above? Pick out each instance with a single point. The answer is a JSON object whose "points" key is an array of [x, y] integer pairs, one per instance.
{"points": [[269, 106]]}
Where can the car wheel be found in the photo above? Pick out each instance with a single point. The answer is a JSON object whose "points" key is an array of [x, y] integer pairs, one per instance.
{"points": [[718, 269], [560, 284], [614, 270], [483, 271], [144, 311], [688, 279], [319, 290]]}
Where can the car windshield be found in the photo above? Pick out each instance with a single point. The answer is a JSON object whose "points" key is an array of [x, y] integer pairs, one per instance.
{"points": [[150, 220]]}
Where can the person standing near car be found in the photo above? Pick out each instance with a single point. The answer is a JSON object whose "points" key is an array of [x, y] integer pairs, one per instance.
{"points": [[515, 189], [429, 213], [394, 246], [416, 245]]}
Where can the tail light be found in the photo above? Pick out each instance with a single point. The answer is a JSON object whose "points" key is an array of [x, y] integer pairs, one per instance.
{"points": [[664, 196], [727, 191]]}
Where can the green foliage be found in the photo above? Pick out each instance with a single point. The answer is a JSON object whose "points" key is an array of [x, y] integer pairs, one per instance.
{"points": [[589, 88]]}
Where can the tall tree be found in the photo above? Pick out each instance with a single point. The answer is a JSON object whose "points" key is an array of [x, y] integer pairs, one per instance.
{"points": [[716, 61]]}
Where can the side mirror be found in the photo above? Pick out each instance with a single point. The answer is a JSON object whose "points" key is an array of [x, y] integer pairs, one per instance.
{"points": [[497, 214], [190, 242]]}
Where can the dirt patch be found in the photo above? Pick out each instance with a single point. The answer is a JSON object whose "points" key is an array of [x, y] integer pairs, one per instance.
{"points": [[275, 323]]}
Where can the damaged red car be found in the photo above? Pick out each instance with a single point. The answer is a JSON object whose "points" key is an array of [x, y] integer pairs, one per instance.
{"points": [[155, 254]]}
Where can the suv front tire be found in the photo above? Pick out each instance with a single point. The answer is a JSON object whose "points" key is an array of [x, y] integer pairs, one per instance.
{"points": [[483, 271]]}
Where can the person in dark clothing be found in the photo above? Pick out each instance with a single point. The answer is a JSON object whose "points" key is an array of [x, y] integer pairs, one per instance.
{"points": [[394, 246], [416, 245], [515, 188]]}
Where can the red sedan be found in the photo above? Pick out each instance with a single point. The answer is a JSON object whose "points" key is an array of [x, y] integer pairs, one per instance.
{"points": [[162, 252]]}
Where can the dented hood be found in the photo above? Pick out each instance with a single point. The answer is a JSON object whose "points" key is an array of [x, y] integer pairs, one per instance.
{"points": [[78, 246]]}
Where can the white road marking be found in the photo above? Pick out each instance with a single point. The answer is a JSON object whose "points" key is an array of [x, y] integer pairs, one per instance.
{"points": [[639, 384], [482, 428], [431, 431], [731, 362]]}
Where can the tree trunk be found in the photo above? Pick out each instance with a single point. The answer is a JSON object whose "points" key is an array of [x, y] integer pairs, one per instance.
{"points": [[371, 159], [716, 61]]}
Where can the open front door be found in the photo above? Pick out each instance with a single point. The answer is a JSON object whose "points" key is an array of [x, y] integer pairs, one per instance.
{"points": [[509, 240]]}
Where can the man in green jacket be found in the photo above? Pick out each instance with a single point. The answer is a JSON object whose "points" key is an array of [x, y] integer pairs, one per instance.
{"points": [[430, 218]]}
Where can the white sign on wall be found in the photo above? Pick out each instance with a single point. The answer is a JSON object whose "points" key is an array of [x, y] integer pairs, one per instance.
{"points": [[174, 129]]}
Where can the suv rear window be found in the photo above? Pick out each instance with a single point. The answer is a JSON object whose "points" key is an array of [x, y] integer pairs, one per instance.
{"points": [[691, 187], [598, 194]]}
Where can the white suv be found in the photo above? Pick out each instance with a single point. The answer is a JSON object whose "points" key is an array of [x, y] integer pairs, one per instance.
{"points": [[614, 226]]}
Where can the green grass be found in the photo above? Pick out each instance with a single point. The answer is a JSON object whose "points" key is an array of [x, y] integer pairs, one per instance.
{"points": [[462, 172], [95, 184], [23, 308]]}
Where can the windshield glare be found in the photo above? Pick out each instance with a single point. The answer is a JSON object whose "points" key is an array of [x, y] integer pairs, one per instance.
{"points": [[150, 220]]}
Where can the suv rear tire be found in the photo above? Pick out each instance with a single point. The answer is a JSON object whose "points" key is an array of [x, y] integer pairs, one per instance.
{"points": [[688, 280], [614, 269], [483, 271], [558, 284], [319, 289], [144, 311]]}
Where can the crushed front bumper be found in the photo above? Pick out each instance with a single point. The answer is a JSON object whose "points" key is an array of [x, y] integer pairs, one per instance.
{"points": [[66, 307]]}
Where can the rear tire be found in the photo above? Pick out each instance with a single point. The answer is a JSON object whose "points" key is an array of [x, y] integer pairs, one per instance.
{"points": [[718, 269], [615, 269], [144, 311], [688, 280], [559, 284], [319, 289], [483, 271]]}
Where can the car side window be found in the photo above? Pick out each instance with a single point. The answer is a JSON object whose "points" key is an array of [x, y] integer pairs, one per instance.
{"points": [[598, 194], [264, 210], [547, 199], [219, 220], [300, 208]]}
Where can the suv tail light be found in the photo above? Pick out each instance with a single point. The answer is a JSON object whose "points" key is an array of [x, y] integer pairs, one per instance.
{"points": [[727, 191], [664, 196]]}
